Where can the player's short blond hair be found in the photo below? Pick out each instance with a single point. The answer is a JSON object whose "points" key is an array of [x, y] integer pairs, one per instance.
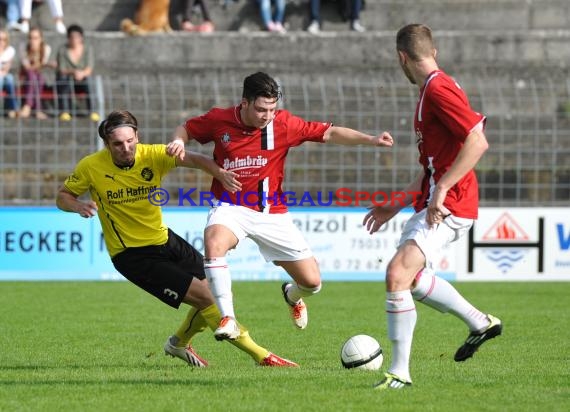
{"points": [[416, 41]]}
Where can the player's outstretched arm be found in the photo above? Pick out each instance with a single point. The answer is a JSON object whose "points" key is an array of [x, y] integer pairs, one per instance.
{"points": [[346, 136], [176, 146], [68, 202], [199, 161]]}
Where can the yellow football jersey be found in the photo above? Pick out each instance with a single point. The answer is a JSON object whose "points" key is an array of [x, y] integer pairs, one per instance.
{"points": [[127, 216]]}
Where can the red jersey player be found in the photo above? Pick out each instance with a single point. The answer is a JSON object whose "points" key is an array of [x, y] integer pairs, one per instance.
{"points": [[253, 140], [451, 141]]}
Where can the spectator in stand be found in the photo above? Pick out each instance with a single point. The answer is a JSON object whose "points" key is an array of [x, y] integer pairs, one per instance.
{"points": [[349, 10], [74, 68], [189, 7], [273, 21], [56, 10], [34, 56], [12, 14], [7, 83]]}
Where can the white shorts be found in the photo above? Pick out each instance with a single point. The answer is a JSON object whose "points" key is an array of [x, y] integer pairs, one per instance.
{"points": [[275, 234], [432, 240]]}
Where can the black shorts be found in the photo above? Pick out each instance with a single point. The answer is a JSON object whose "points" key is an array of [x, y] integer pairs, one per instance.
{"points": [[164, 271]]}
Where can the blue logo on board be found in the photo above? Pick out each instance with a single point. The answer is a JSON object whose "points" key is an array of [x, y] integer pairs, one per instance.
{"points": [[563, 238]]}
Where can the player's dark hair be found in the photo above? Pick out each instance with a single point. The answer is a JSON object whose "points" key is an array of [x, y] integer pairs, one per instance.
{"points": [[75, 28], [415, 40], [260, 85], [116, 119]]}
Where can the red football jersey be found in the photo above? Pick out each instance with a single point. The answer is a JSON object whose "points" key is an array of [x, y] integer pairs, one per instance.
{"points": [[256, 155], [442, 122]]}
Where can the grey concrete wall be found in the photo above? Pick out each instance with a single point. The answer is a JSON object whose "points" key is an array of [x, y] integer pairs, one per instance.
{"points": [[341, 52], [105, 15], [502, 39]]}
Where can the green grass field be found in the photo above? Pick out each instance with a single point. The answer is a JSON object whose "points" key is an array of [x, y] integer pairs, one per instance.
{"points": [[98, 347]]}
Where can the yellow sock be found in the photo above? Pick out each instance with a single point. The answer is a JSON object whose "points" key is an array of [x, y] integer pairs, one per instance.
{"points": [[248, 345], [192, 325], [212, 317]]}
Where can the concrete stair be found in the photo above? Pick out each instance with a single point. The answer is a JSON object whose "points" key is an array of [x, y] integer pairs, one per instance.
{"points": [[105, 15], [345, 53]]}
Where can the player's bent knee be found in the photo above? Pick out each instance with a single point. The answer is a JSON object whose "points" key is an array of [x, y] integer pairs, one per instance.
{"points": [[218, 240], [214, 248], [396, 281]]}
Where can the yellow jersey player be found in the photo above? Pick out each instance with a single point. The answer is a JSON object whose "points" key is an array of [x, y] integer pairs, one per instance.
{"points": [[143, 249]]}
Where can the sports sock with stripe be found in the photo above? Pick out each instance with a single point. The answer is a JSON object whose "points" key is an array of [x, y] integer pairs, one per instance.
{"points": [[442, 296], [401, 314], [220, 282], [295, 292]]}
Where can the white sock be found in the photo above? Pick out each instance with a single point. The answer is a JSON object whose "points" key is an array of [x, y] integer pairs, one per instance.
{"points": [[442, 296], [220, 281], [402, 316], [295, 292]]}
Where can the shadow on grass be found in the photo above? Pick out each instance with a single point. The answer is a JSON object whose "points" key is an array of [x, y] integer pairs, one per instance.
{"points": [[135, 382], [71, 367], [55, 375]]}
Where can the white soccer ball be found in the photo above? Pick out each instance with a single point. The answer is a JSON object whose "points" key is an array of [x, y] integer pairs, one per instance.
{"points": [[361, 352]]}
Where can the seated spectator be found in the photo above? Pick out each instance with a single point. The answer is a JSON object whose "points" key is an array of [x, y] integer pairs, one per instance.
{"points": [[34, 56], [273, 21], [12, 14], [55, 8], [349, 10], [75, 62], [190, 5], [7, 84]]}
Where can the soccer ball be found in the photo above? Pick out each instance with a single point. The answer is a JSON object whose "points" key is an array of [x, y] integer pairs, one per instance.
{"points": [[361, 352]]}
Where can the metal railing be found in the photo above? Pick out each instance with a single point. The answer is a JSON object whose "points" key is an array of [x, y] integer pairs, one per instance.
{"points": [[528, 128]]}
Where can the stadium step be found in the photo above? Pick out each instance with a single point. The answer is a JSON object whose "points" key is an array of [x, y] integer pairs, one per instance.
{"points": [[105, 15]]}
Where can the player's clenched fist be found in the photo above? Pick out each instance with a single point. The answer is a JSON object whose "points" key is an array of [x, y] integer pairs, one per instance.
{"points": [[385, 139]]}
